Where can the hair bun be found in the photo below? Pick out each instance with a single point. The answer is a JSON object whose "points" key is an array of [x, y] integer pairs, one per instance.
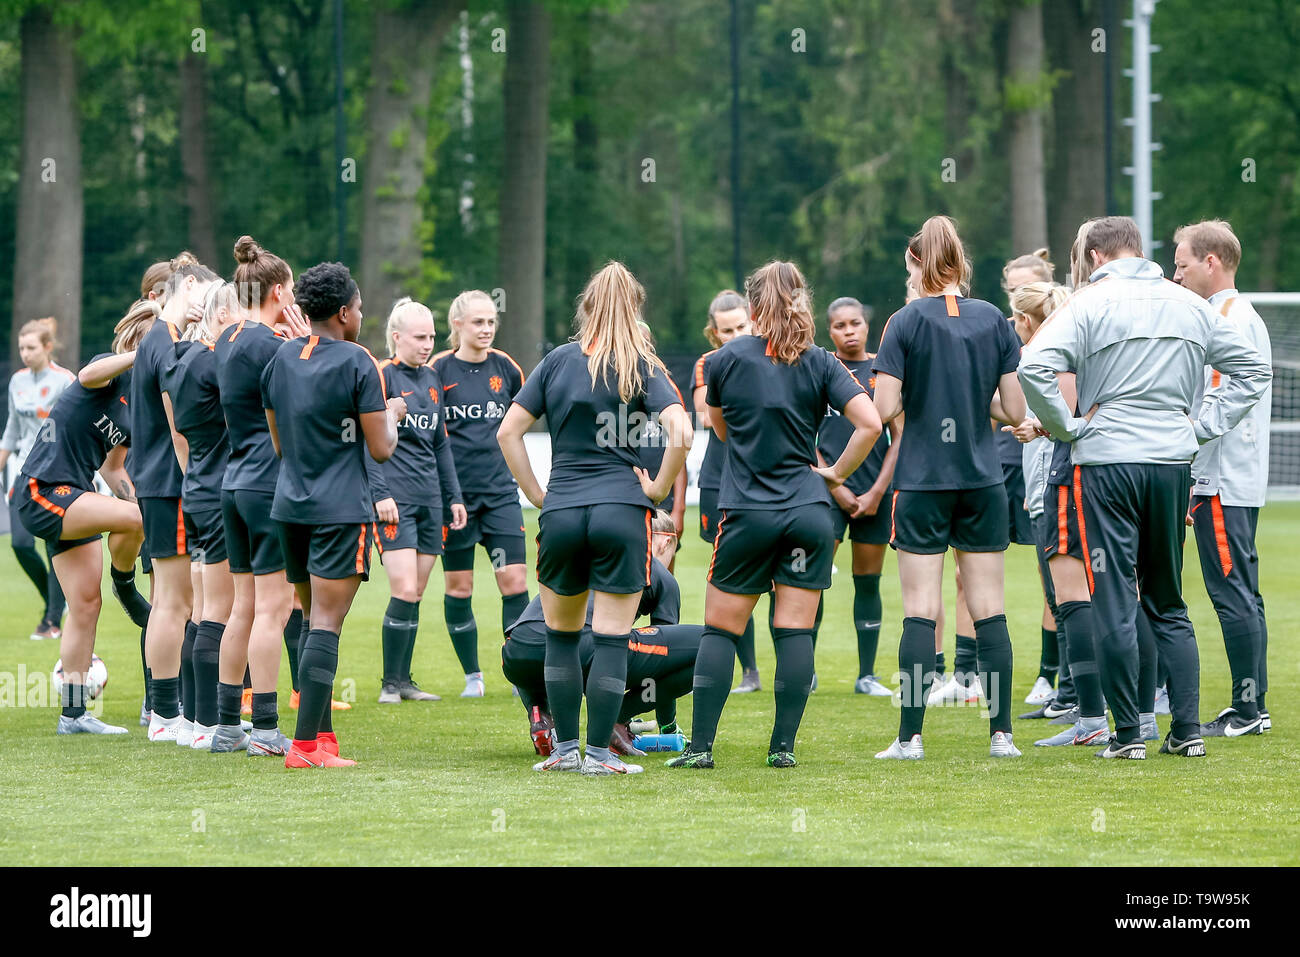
{"points": [[247, 250], [183, 259], [1043, 254]]}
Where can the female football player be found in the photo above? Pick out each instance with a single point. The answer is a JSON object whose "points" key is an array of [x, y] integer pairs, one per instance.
{"points": [[942, 359], [478, 384], [767, 395], [597, 393]]}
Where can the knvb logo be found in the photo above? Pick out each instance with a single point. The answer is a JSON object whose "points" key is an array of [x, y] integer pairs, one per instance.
{"points": [[76, 910]]}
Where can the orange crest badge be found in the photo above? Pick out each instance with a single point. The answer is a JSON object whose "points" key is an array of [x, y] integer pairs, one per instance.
{"points": [[433, 393], [390, 532], [495, 383], [62, 490], [872, 383]]}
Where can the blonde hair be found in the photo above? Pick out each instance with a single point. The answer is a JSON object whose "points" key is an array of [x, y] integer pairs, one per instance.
{"points": [[781, 306], [223, 295], [608, 310], [1212, 236], [1038, 300], [44, 329], [937, 249], [155, 279], [724, 301], [1080, 269], [186, 264], [456, 312], [663, 522], [1037, 261], [132, 327], [397, 320]]}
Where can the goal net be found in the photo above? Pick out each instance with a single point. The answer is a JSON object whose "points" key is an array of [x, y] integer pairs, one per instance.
{"points": [[1281, 314]]}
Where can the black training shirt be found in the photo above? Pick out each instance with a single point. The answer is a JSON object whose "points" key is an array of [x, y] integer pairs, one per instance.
{"points": [[475, 397], [652, 451], [837, 430], [151, 463], [421, 470], [773, 412], [82, 428], [949, 352], [595, 438], [196, 409], [242, 353], [716, 450], [319, 388]]}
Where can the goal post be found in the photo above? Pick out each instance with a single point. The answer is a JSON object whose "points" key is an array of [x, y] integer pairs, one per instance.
{"points": [[1281, 314]]}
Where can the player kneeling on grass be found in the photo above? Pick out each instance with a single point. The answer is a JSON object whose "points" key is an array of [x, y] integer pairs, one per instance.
{"points": [[324, 400], [87, 430], [660, 664]]}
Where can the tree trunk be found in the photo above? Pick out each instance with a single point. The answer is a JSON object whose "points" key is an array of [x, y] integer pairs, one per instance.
{"points": [[194, 160], [1025, 113], [403, 52], [1079, 140], [51, 214], [585, 144], [523, 189]]}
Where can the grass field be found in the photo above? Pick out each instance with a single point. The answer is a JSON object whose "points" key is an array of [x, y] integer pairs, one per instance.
{"points": [[449, 782]]}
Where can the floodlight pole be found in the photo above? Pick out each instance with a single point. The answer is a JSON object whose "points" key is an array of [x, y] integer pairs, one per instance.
{"points": [[1143, 147]]}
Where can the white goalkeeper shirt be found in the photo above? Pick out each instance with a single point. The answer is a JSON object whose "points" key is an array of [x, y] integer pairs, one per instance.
{"points": [[1235, 465]]}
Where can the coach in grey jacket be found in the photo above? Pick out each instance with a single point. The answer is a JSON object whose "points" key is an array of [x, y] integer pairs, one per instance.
{"points": [[1138, 345]]}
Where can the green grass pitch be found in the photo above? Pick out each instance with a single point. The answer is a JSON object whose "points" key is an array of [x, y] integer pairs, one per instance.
{"points": [[450, 782]]}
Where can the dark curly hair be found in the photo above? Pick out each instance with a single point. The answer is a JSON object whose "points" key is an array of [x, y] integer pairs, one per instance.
{"points": [[324, 289]]}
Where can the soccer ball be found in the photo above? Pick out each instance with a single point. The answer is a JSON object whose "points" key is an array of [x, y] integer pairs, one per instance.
{"points": [[95, 679]]}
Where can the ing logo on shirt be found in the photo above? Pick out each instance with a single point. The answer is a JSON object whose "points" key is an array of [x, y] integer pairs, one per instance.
{"points": [[495, 383], [390, 532]]}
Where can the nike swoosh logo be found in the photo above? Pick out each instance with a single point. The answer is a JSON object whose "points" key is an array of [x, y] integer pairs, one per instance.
{"points": [[405, 393], [465, 626], [1195, 507], [452, 386], [1230, 732]]}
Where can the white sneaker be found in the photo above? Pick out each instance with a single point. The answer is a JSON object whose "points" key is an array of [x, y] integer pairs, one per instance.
{"points": [[612, 765], [912, 751], [185, 736], [953, 691], [87, 724], [1041, 693], [871, 685], [474, 687], [201, 737], [569, 761], [1000, 746], [164, 729]]}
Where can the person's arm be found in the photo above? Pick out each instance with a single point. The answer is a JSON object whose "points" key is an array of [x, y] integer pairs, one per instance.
{"points": [[385, 505], [510, 436], [380, 429], [846, 500], [113, 471], [1009, 399], [1055, 348], [869, 501], [1245, 377], [678, 435], [450, 485], [103, 371], [679, 502], [861, 413], [889, 397], [13, 429], [180, 444], [701, 407], [275, 432]]}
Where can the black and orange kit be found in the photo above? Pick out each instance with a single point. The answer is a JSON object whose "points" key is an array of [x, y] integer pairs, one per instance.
{"points": [[594, 529], [82, 428], [151, 462], [711, 467], [248, 486], [475, 397], [421, 476], [1059, 534], [191, 382], [831, 441], [318, 388], [775, 522], [948, 484]]}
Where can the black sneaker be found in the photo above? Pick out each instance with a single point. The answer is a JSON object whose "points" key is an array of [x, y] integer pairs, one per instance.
{"points": [[1193, 747], [691, 759], [1134, 751], [781, 759], [1069, 717], [1231, 724]]}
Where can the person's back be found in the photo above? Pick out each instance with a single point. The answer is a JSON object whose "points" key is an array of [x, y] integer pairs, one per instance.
{"points": [[243, 352]]}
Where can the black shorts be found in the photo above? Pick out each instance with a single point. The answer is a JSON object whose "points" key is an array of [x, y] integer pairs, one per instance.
{"points": [[326, 551], [523, 663], [660, 650], [40, 507], [708, 514], [1019, 524], [603, 547], [758, 547], [494, 521], [969, 520], [1059, 528], [164, 527], [252, 541], [866, 529], [418, 526], [206, 532]]}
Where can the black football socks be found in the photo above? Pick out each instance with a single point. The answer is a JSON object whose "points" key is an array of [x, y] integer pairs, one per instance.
{"points": [[745, 648], [512, 606], [916, 664], [317, 667], [792, 684], [459, 613], [563, 673], [965, 664], [292, 639], [715, 665], [73, 699], [606, 684], [401, 621], [229, 697], [1048, 661], [993, 648], [135, 605], [187, 670], [165, 696], [207, 661], [867, 610], [1081, 657]]}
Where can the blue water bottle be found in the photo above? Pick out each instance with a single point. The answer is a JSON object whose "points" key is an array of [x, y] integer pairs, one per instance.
{"points": [[660, 742]]}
